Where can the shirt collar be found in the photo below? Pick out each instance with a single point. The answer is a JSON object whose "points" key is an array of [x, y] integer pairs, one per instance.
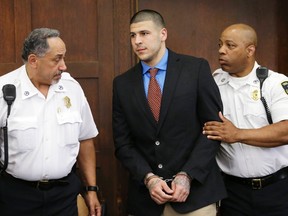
{"points": [[251, 78], [58, 87], [161, 65], [28, 89]]}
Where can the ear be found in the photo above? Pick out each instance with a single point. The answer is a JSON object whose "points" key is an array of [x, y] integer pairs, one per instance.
{"points": [[250, 50], [32, 60], [163, 34]]}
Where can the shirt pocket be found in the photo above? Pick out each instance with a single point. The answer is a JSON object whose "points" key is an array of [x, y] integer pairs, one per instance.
{"points": [[23, 133], [69, 127], [255, 114]]}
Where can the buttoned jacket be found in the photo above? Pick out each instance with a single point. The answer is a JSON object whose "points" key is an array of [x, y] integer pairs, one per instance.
{"points": [[176, 143]]}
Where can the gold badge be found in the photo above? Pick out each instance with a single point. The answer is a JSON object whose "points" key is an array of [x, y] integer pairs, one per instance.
{"points": [[67, 102], [255, 95]]}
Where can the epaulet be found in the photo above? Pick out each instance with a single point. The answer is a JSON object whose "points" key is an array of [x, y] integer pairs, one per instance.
{"points": [[220, 77], [65, 76], [217, 72]]}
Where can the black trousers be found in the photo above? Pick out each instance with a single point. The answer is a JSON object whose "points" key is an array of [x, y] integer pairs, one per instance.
{"points": [[18, 198], [242, 200]]}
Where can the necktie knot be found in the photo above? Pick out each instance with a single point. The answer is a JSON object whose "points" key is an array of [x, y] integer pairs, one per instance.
{"points": [[153, 72]]}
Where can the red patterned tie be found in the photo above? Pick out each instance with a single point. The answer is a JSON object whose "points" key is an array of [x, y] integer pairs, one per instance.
{"points": [[154, 94]]}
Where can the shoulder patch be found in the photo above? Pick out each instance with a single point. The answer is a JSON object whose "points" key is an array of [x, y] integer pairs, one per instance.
{"points": [[285, 86]]}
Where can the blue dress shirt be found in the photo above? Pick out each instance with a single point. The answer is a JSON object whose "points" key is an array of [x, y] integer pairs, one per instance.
{"points": [[161, 74]]}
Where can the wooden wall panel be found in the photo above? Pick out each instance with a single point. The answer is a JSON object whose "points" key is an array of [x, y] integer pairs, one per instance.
{"points": [[77, 21], [123, 58], [194, 26], [14, 25], [7, 54], [282, 36]]}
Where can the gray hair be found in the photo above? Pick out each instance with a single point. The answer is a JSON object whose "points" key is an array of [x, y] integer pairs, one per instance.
{"points": [[36, 42], [148, 15]]}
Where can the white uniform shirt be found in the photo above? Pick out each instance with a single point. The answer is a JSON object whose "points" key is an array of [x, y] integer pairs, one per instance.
{"points": [[44, 133], [242, 106]]}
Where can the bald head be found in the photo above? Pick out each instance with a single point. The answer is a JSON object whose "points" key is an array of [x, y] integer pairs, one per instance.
{"points": [[245, 32], [237, 48]]}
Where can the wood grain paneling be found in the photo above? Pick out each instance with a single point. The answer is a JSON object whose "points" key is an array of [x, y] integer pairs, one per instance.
{"points": [[14, 26], [282, 36], [7, 54], [76, 20], [96, 33], [194, 26]]}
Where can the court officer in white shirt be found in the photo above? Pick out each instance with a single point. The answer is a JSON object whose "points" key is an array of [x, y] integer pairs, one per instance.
{"points": [[254, 153], [50, 128]]}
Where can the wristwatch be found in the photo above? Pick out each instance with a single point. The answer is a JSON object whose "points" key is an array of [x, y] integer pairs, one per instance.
{"points": [[91, 188]]}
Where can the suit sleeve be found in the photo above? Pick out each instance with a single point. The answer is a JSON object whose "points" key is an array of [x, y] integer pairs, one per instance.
{"points": [[202, 159], [125, 149]]}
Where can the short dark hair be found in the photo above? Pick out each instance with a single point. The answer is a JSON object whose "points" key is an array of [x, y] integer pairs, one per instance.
{"points": [[147, 15], [36, 42]]}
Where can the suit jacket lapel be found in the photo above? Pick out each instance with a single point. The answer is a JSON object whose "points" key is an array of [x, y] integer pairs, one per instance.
{"points": [[172, 75], [140, 93]]}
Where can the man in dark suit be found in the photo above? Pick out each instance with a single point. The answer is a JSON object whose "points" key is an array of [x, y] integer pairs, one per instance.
{"points": [[171, 163]]}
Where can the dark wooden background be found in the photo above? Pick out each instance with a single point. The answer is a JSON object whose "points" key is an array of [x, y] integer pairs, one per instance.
{"points": [[96, 33]]}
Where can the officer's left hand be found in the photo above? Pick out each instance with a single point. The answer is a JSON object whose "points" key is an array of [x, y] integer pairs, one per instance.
{"points": [[222, 131], [92, 203]]}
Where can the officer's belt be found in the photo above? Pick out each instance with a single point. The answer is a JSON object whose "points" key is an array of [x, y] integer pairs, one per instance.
{"points": [[42, 184], [259, 182]]}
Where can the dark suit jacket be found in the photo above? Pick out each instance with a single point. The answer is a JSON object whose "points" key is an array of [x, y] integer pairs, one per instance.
{"points": [[190, 98]]}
